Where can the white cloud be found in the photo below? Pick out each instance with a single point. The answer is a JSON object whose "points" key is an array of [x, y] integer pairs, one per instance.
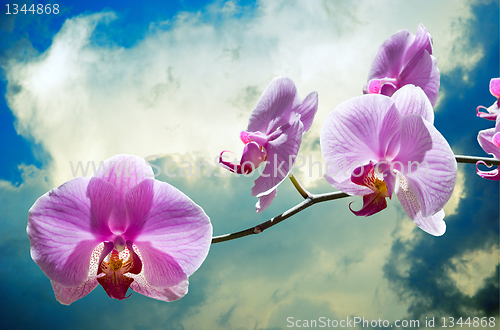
{"points": [[190, 87], [458, 193], [187, 89], [471, 269], [308, 260]]}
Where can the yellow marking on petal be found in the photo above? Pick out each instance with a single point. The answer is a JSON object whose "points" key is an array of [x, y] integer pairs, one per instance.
{"points": [[381, 186], [376, 184], [114, 281]]}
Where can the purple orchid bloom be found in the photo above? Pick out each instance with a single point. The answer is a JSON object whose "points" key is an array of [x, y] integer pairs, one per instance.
{"points": [[273, 137], [121, 229], [374, 145], [489, 140], [405, 59], [493, 111]]}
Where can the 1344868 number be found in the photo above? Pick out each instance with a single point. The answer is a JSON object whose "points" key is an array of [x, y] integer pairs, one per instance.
{"points": [[474, 322], [34, 9]]}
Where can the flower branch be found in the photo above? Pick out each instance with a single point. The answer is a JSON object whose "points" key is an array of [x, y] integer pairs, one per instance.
{"points": [[474, 160], [311, 199]]}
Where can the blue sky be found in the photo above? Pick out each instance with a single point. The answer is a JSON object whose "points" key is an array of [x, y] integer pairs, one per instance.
{"points": [[130, 26], [178, 80]]}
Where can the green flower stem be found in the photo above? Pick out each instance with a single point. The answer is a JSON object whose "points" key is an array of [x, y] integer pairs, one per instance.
{"points": [[304, 193], [311, 199]]}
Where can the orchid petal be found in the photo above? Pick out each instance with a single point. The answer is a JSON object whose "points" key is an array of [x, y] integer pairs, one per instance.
{"points": [[274, 106], [265, 201], [424, 74], [390, 181], [172, 293], [68, 295], [348, 186], [411, 99], [493, 111], [406, 59], [160, 268], [282, 149], [389, 59], [432, 224], [138, 203], [423, 147], [123, 172], [175, 239], [422, 41], [493, 175], [496, 139], [307, 110], [101, 195], [491, 114], [62, 232], [359, 130], [485, 139], [421, 44], [495, 87], [372, 203]]}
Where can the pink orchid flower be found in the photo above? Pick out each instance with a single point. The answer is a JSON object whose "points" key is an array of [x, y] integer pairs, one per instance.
{"points": [[374, 145], [493, 111], [273, 137], [121, 229], [405, 59], [489, 140]]}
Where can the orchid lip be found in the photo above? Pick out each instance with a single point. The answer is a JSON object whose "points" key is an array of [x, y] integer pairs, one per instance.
{"points": [[486, 115], [113, 278], [374, 202], [493, 175], [253, 156]]}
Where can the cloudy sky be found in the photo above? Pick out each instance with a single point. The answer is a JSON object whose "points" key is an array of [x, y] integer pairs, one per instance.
{"points": [[175, 81]]}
